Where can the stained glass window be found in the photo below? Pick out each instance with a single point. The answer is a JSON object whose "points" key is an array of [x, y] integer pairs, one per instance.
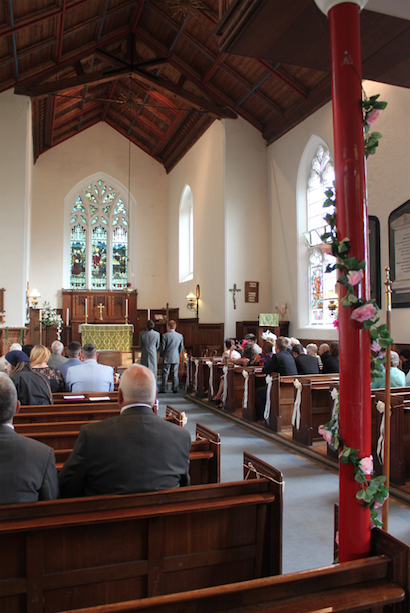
{"points": [[322, 284], [98, 252]]}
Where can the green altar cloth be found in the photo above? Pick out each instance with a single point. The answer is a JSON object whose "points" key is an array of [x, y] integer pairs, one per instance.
{"points": [[109, 336]]}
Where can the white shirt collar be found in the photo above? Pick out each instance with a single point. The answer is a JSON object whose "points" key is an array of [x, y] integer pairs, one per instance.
{"points": [[135, 404], [9, 425]]}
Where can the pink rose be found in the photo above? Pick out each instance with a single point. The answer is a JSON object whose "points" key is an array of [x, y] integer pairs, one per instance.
{"points": [[375, 347], [336, 324], [337, 537], [366, 465], [327, 435], [364, 312], [354, 276], [377, 505], [372, 116]]}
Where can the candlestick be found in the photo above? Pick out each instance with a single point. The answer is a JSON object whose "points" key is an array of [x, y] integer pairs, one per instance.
{"points": [[40, 327], [149, 313], [67, 317], [86, 310], [126, 307]]}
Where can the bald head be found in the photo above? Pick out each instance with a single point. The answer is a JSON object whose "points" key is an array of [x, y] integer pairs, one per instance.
{"points": [[137, 385]]}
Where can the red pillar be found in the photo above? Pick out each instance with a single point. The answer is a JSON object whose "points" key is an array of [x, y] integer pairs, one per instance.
{"points": [[354, 342]]}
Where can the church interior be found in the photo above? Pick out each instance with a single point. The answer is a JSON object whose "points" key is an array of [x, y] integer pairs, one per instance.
{"points": [[201, 121]]}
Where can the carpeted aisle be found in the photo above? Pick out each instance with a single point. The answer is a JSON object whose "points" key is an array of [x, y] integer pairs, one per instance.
{"points": [[310, 491]]}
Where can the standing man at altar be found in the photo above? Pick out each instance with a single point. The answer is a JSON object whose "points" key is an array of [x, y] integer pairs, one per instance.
{"points": [[172, 345], [149, 342]]}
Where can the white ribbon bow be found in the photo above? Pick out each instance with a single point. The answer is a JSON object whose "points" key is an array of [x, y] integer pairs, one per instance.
{"points": [[381, 407], [211, 377], [245, 375], [225, 388], [266, 413], [196, 375], [296, 406], [184, 418]]}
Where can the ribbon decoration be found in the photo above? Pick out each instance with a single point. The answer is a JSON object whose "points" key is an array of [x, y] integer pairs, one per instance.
{"points": [[335, 395], [266, 413], [381, 407], [296, 406], [225, 389], [211, 377], [245, 375], [196, 375], [184, 419]]}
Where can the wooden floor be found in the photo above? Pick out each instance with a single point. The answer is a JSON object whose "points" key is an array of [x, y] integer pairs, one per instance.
{"points": [[317, 452]]}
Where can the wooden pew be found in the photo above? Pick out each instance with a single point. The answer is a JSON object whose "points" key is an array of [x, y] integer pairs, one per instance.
{"points": [[283, 395], [93, 551], [315, 410], [369, 584], [399, 434], [73, 413], [67, 397]]}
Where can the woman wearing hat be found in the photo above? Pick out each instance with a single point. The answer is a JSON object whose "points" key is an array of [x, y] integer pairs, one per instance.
{"points": [[31, 387]]}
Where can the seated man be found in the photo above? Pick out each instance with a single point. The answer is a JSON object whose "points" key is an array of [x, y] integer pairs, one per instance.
{"points": [[27, 468], [137, 451], [282, 362], [56, 358], [306, 364], [90, 376], [73, 351]]}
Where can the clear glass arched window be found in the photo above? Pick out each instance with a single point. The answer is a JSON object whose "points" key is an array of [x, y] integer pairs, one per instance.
{"points": [[322, 296], [99, 226], [186, 236]]}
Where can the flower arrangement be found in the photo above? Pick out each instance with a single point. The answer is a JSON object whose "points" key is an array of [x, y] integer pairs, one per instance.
{"points": [[49, 317], [372, 492]]}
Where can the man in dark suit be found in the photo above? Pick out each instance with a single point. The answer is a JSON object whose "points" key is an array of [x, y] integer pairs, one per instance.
{"points": [[137, 451], [27, 468], [281, 362], [306, 364], [149, 342], [172, 344]]}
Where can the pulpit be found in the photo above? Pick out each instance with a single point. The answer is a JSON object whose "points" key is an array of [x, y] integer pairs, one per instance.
{"points": [[103, 308]]}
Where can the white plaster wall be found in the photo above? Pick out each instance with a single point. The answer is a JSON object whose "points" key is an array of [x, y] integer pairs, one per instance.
{"points": [[247, 220], [202, 169], [388, 187], [56, 172], [15, 203]]}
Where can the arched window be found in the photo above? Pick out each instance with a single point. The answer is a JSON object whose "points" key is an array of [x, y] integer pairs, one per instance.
{"points": [[99, 226], [186, 236], [321, 285]]}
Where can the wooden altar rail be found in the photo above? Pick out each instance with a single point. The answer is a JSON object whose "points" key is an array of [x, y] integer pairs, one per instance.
{"points": [[369, 584], [67, 554]]}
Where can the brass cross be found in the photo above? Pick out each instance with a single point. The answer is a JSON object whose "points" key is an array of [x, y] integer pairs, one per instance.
{"points": [[234, 290], [101, 306]]}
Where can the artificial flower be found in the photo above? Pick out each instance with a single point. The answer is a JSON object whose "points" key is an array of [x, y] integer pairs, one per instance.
{"points": [[377, 505], [375, 347], [327, 435], [355, 276], [336, 324], [363, 313], [366, 465], [372, 116]]}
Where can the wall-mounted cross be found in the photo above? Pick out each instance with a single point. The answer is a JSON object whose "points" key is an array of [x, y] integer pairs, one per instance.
{"points": [[234, 290]]}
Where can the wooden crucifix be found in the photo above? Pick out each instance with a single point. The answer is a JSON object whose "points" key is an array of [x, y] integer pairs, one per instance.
{"points": [[234, 290], [100, 307]]}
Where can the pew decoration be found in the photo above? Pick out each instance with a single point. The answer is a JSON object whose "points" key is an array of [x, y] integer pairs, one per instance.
{"points": [[225, 387], [251, 469], [196, 375], [49, 318], [372, 493], [266, 413], [381, 407], [371, 111], [296, 406], [184, 419], [187, 370], [210, 365], [245, 375]]}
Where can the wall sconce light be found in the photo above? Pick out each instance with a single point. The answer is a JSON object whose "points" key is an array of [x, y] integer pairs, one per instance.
{"points": [[333, 306], [193, 300], [34, 295]]}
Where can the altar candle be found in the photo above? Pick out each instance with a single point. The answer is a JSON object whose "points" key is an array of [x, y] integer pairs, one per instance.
{"points": [[86, 307], [149, 313], [68, 317], [126, 307]]}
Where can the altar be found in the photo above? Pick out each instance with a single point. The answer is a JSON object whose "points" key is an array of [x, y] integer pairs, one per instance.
{"points": [[117, 337]]}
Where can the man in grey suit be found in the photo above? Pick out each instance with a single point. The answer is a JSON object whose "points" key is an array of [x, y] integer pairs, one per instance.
{"points": [[56, 358], [137, 451], [149, 342], [172, 344], [27, 468]]}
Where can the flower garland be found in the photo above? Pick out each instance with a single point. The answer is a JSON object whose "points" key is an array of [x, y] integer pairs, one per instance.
{"points": [[372, 492], [50, 318]]}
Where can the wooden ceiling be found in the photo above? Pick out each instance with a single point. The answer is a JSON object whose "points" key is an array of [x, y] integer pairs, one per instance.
{"points": [[161, 76]]}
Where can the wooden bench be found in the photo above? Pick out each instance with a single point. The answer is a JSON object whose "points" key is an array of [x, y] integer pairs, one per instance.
{"points": [[67, 554], [368, 584], [399, 434], [72, 413], [315, 410], [67, 397]]}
